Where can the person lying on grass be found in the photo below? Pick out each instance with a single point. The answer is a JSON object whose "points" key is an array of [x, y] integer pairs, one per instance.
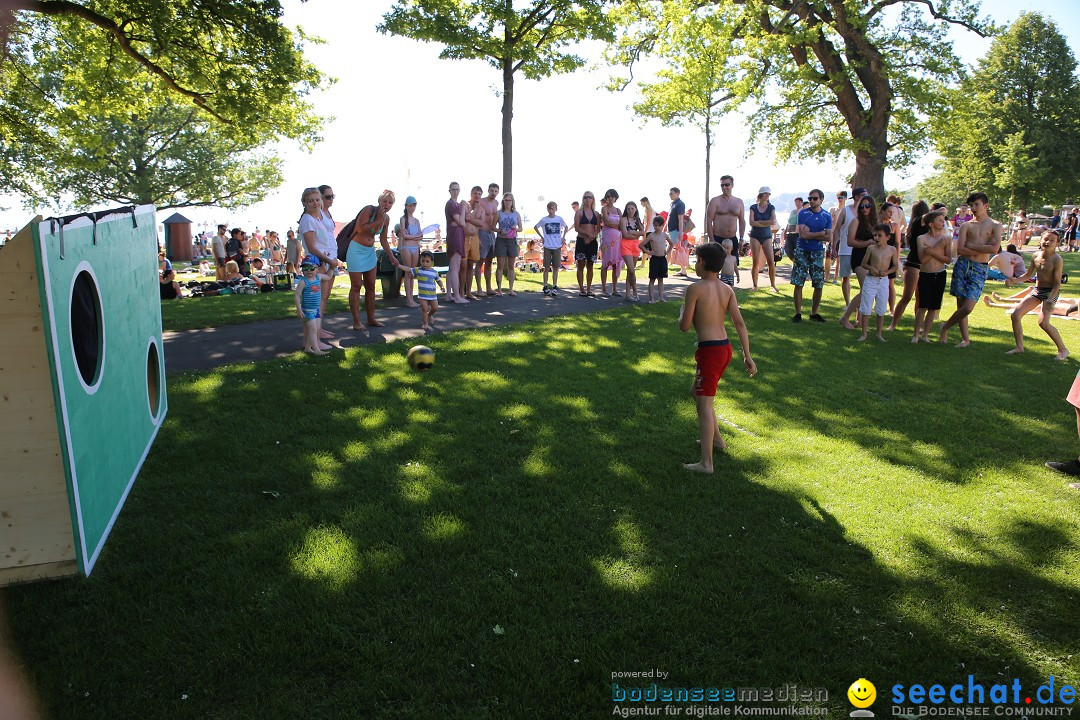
{"points": [[707, 303], [1064, 307], [1047, 266]]}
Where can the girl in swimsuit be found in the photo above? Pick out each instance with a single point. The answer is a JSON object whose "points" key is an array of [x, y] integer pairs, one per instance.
{"points": [[632, 231], [911, 267], [372, 220], [860, 237], [648, 213], [587, 226], [610, 243], [409, 246], [762, 219]]}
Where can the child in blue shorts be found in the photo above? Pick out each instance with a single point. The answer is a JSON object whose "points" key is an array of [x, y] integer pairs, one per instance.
{"points": [[308, 298]]}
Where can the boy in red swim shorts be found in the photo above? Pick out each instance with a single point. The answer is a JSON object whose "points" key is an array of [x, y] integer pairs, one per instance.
{"points": [[707, 303]]}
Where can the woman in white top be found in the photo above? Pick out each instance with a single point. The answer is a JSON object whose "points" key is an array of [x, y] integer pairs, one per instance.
{"points": [[409, 246], [319, 242]]}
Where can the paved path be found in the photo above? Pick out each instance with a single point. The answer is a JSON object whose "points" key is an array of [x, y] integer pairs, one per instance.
{"points": [[229, 344]]}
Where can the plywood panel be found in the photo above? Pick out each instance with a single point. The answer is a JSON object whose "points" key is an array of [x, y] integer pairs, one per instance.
{"points": [[45, 571], [35, 515]]}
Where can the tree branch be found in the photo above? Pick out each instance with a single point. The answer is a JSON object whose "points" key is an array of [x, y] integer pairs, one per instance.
{"points": [[878, 7], [66, 7]]}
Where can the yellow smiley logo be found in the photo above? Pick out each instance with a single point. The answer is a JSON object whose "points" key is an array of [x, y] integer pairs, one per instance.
{"points": [[862, 693]]}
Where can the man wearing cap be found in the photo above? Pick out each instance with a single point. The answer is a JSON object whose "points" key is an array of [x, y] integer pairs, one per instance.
{"points": [[726, 215], [815, 229], [487, 236]]}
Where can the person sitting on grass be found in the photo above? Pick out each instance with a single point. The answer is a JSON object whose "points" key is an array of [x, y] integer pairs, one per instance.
{"points": [[168, 287], [706, 305], [1047, 266], [427, 277], [308, 298], [1007, 266], [879, 261]]}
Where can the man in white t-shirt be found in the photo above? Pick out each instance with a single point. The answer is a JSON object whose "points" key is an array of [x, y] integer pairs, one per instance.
{"points": [[217, 248]]}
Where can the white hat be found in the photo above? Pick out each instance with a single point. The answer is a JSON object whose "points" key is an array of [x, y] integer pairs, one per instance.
{"points": [[763, 190]]}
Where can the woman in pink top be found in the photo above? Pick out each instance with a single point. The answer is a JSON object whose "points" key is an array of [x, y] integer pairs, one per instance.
{"points": [[610, 243]]}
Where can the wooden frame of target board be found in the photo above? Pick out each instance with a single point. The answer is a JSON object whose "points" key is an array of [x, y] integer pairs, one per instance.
{"points": [[82, 384]]}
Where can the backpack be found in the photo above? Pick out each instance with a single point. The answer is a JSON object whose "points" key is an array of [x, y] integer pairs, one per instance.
{"points": [[232, 247], [345, 236]]}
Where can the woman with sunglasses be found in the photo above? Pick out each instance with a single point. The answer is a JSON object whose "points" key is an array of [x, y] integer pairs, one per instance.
{"points": [[860, 236], [911, 266], [587, 226], [371, 221]]}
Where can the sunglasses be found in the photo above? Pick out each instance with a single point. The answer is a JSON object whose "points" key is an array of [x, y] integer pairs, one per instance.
{"points": [[725, 184], [814, 197], [864, 207], [329, 197], [588, 197]]}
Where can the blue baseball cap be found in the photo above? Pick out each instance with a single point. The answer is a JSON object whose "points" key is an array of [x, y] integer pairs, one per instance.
{"points": [[410, 200], [310, 260]]}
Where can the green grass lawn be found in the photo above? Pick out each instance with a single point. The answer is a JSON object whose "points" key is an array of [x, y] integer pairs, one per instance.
{"points": [[339, 537]]}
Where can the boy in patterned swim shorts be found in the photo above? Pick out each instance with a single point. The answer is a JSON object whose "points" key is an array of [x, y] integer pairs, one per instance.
{"points": [[708, 302], [1047, 264]]}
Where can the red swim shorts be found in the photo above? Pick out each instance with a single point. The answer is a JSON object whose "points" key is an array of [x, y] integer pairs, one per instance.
{"points": [[712, 358]]}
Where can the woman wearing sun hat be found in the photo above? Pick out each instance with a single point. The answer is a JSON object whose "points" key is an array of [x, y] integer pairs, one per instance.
{"points": [[409, 237], [762, 218], [371, 221]]}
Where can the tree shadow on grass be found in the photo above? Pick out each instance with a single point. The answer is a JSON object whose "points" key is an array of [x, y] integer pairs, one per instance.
{"points": [[495, 539]]}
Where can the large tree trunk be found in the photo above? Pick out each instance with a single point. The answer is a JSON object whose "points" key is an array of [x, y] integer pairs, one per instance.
{"points": [[870, 171], [507, 120]]}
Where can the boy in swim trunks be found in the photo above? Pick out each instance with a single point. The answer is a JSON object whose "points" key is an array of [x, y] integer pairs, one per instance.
{"points": [[1047, 265], [729, 274], [708, 302], [979, 239], [308, 297], [879, 261], [657, 245]]}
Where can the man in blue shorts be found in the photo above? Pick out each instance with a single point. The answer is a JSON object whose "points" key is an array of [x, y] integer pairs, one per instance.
{"points": [[815, 229], [979, 238]]}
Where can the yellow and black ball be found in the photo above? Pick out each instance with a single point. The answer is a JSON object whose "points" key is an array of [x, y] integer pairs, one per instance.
{"points": [[421, 358]]}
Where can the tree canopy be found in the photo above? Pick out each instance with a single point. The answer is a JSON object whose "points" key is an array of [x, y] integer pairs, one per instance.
{"points": [[1013, 123], [532, 39], [826, 79], [76, 77]]}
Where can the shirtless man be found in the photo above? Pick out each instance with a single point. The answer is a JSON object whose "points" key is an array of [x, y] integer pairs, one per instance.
{"points": [[1047, 264], [725, 218], [979, 238], [707, 303], [487, 237], [475, 218], [455, 243]]}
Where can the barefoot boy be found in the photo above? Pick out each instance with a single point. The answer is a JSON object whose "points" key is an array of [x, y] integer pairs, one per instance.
{"points": [[934, 255], [707, 303], [879, 261], [979, 239], [657, 245], [427, 277], [308, 297], [729, 275], [1047, 264]]}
